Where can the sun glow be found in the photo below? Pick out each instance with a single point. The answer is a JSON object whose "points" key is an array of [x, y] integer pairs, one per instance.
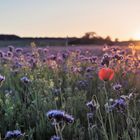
{"points": [[137, 36]]}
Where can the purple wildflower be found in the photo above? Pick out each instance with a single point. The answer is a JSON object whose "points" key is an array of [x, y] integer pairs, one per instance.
{"points": [[13, 134], [55, 114], [2, 78], [91, 106], [89, 69], [19, 50], [68, 118], [25, 80], [105, 60], [117, 87], [59, 115], [9, 135], [9, 54], [120, 105], [55, 138]]}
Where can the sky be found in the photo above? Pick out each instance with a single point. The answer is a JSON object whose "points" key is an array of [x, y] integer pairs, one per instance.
{"points": [[61, 18]]}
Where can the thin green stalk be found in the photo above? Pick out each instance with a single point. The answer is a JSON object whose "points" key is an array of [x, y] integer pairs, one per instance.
{"points": [[109, 117], [104, 129], [60, 131], [101, 119]]}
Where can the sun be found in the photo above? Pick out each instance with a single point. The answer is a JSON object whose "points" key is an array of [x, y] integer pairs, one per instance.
{"points": [[137, 36]]}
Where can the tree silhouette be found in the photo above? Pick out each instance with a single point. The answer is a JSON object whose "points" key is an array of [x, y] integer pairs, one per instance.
{"points": [[90, 35]]}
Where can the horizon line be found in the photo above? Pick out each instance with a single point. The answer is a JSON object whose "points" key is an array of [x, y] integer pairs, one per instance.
{"points": [[67, 36]]}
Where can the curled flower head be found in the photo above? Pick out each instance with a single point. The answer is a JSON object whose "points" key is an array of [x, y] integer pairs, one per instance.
{"points": [[117, 87], [120, 104], [9, 135], [25, 80], [59, 115], [13, 134], [105, 60], [17, 133], [106, 74], [91, 106], [68, 118], [55, 114], [18, 50]]}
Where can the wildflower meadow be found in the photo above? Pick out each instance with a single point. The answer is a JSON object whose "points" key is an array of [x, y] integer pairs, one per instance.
{"points": [[70, 93]]}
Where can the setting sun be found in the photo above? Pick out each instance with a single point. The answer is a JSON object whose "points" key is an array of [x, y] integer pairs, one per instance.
{"points": [[137, 36]]}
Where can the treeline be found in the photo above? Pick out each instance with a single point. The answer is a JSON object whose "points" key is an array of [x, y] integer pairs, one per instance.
{"points": [[92, 38], [9, 37], [88, 38], [4, 37]]}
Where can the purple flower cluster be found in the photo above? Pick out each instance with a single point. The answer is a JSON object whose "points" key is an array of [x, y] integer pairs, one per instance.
{"points": [[13, 134], [59, 116], [92, 106], [119, 105], [105, 60], [118, 57]]}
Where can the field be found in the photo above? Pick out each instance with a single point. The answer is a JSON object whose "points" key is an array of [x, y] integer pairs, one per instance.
{"points": [[70, 93], [40, 42]]}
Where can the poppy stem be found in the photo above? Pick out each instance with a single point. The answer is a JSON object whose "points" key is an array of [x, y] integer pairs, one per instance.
{"points": [[109, 115], [106, 94]]}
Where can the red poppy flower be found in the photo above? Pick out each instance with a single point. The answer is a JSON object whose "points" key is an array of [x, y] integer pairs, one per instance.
{"points": [[106, 74]]}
